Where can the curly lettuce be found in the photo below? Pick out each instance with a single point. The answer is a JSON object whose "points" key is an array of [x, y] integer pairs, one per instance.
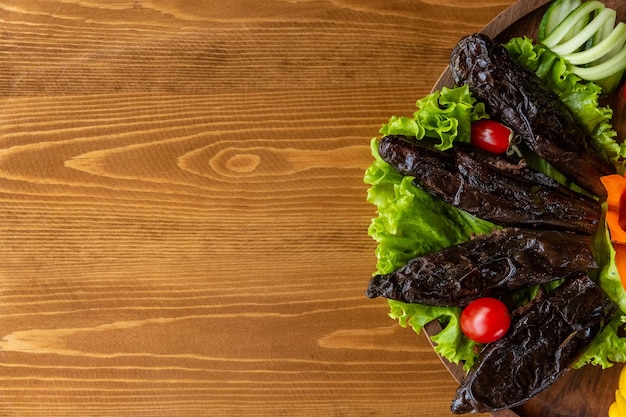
{"points": [[411, 222], [445, 114]]}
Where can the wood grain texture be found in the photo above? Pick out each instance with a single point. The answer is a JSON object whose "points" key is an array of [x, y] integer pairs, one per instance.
{"points": [[183, 224]]}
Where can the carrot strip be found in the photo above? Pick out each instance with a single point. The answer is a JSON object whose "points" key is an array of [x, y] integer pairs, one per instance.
{"points": [[615, 185], [618, 235], [616, 189]]}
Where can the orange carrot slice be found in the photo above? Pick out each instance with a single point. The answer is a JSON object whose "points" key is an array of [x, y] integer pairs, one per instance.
{"points": [[615, 186], [618, 235]]}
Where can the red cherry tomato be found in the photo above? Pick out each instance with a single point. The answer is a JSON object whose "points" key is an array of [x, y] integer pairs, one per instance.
{"points": [[485, 320], [491, 136], [624, 91]]}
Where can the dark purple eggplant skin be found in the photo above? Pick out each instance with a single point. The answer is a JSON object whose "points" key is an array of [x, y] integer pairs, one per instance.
{"points": [[517, 97], [492, 265], [467, 179], [546, 338]]}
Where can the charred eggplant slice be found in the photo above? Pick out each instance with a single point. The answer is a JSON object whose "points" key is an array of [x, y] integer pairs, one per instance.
{"points": [[546, 337], [517, 97], [469, 180], [491, 265]]}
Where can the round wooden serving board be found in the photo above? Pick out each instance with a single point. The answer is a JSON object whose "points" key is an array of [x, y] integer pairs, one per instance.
{"points": [[587, 392]]}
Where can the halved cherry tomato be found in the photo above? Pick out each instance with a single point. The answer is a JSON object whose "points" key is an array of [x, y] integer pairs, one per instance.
{"points": [[485, 320], [491, 136]]}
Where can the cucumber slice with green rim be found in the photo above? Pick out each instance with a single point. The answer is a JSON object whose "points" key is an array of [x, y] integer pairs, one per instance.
{"points": [[603, 32], [585, 35], [609, 45], [555, 14], [616, 64], [582, 12]]}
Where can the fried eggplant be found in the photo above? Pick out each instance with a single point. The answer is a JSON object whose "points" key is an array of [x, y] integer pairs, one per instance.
{"points": [[469, 180], [517, 97], [490, 265], [546, 338]]}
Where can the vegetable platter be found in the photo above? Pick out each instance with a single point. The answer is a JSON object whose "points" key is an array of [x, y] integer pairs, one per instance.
{"points": [[589, 389]]}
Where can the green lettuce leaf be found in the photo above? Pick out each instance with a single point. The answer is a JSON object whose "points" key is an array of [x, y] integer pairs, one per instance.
{"points": [[450, 343], [445, 114]]}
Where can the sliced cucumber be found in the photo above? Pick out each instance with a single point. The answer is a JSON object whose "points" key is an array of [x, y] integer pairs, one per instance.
{"points": [[604, 31], [555, 14], [616, 64], [570, 21], [587, 37], [585, 34], [609, 45]]}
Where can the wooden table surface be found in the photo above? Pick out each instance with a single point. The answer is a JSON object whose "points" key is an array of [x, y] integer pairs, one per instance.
{"points": [[183, 224]]}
